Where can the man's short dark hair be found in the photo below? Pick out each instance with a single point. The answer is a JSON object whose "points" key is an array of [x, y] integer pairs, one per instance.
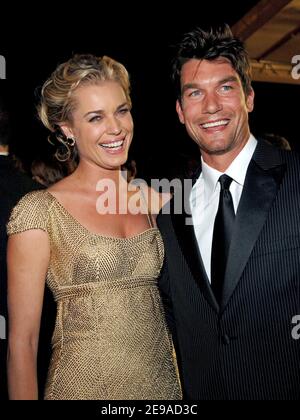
{"points": [[211, 44]]}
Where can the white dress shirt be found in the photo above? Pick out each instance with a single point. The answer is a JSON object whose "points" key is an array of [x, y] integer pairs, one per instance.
{"points": [[4, 153], [205, 196]]}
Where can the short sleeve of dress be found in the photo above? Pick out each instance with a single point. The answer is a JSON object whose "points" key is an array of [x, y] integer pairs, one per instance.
{"points": [[31, 212]]}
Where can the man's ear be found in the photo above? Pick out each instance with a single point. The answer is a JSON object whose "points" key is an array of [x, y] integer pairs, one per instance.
{"points": [[250, 100], [179, 111]]}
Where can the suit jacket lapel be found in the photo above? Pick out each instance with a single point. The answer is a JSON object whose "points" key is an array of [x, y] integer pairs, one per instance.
{"points": [[184, 230], [263, 179]]}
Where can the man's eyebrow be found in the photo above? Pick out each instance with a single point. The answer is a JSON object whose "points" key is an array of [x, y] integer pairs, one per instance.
{"points": [[188, 86], [228, 79]]}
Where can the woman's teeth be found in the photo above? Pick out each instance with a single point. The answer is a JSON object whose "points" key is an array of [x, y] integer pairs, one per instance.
{"points": [[114, 145]]}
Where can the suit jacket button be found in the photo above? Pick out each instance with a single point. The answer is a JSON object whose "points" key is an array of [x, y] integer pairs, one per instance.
{"points": [[225, 340]]}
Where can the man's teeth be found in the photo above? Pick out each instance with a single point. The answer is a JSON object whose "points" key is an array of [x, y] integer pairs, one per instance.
{"points": [[113, 145], [215, 124]]}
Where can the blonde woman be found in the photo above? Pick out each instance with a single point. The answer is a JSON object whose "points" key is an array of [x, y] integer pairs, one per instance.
{"points": [[110, 340]]}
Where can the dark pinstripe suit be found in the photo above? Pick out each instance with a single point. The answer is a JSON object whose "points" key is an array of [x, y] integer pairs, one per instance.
{"points": [[243, 349]]}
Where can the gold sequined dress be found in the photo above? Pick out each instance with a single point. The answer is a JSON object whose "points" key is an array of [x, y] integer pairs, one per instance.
{"points": [[110, 339]]}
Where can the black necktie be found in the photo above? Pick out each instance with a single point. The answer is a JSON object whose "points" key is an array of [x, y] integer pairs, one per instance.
{"points": [[221, 237]]}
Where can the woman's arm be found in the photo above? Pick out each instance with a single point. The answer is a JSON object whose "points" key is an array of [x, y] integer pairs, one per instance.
{"points": [[28, 257]]}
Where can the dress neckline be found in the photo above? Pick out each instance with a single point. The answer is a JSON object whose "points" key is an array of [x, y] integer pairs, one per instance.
{"points": [[112, 238]]}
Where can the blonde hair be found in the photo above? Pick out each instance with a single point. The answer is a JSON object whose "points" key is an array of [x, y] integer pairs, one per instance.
{"points": [[57, 100]]}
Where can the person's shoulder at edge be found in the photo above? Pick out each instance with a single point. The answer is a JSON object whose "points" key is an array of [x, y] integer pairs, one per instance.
{"points": [[31, 212], [286, 154]]}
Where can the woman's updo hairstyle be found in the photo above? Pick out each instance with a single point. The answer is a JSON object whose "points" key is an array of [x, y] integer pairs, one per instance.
{"points": [[57, 101]]}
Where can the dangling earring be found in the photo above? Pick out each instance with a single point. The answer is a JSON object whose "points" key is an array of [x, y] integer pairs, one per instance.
{"points": [[64, 151], [65, 145], [71, 141]]}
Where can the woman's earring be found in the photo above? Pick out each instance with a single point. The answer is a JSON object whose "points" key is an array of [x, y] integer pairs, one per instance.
{"points": [[65, 149], [71, 141]]}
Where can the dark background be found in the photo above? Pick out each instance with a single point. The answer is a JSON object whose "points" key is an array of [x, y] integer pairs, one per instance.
{"points": [[141, 37]]}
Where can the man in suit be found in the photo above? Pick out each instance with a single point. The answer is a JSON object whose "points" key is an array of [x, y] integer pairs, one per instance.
{"points": [[231, 281]]}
